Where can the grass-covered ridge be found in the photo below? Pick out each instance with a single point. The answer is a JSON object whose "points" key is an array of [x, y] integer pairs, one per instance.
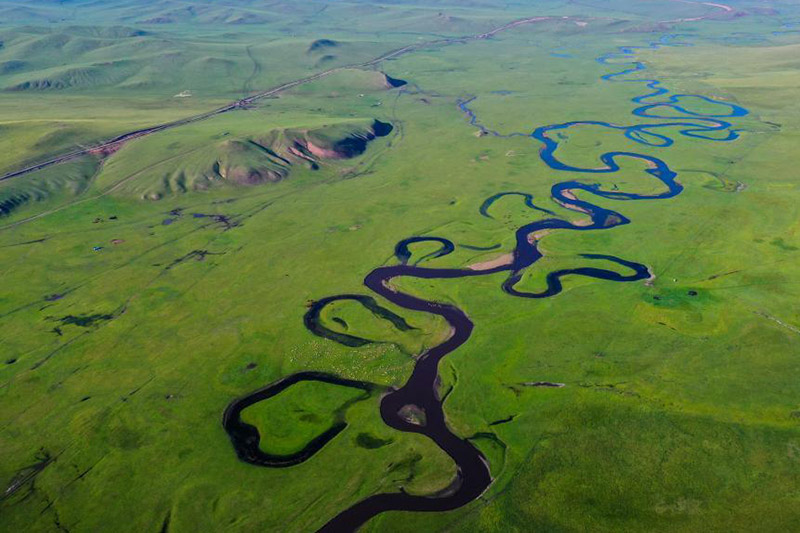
{"points": [[221, 160], [228, 160]]}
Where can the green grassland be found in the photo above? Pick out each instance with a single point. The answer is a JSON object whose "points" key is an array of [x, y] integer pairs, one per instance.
{"points": [[143, 290]]}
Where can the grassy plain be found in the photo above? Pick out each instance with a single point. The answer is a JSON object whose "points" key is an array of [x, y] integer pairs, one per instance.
{"points": [[678, 412]]}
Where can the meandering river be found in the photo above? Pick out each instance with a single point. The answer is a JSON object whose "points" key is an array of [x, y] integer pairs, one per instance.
{"points": [[665, 113]]}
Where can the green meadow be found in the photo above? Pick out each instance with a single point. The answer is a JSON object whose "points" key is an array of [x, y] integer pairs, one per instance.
{"points": [[145, 289]]}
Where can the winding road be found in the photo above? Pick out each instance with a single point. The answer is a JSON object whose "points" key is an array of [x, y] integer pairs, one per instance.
{"points": [[116, 142]]}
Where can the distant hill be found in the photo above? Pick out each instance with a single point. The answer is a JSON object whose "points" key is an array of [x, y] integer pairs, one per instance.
{"points": [[232, 161]]}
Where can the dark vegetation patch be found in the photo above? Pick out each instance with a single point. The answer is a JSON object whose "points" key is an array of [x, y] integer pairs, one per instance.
{"points": [[715, 276], [371, 442], [85, 321], [326, 59], [196, 255], [125, 438], [322, 44], [518, 388], [223, 220], [158, 20], [409, 466], [678, 297], [614, 388], [26, 477], [309, 417], [10, 67], [778, 242], [7, 205]]}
